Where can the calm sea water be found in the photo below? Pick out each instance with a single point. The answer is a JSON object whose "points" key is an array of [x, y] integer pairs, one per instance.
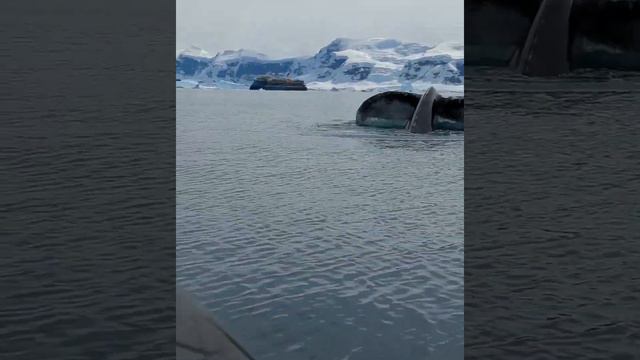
{"points": [[551, 240], [311, 238], [87, 163]]}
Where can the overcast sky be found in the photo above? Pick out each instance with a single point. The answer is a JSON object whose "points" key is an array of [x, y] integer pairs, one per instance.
{"points": [[281, 28]]}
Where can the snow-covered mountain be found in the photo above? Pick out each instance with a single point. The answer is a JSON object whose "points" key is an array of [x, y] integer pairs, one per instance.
{"points": [[376, 63]]}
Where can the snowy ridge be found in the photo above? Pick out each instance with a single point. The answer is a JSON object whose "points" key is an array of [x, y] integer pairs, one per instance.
{"points": [[194, 52], [371, 64]]}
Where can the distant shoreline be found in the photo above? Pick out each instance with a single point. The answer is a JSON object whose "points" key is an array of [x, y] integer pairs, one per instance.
{"points": [[361, 65], [194, 85]]}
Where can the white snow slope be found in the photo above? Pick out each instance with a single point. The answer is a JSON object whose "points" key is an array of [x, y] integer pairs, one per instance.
{"points": [[366, 65]]}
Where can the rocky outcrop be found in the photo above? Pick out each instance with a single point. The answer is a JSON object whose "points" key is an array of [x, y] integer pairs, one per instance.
{"points": [[418, 114], [270, 83]]}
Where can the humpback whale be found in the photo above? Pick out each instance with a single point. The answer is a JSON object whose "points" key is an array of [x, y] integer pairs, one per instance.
{"points": [[390, 109], [418, 114], [551, 37]]}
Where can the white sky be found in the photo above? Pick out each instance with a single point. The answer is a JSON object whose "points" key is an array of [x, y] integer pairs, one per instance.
{"points": [[281, 28]]}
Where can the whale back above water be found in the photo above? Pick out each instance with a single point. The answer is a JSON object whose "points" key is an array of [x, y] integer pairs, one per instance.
{"points": [[390, 109], [418, 114], [449, 113], [605, 34], [551, 37]]}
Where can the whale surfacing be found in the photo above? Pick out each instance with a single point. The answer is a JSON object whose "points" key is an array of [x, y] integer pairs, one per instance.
{"points": [[418, 114], [390, 109], [553, 37]]}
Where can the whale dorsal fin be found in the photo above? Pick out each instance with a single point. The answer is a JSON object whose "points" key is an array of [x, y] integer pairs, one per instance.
{"points": [[546, 51]]}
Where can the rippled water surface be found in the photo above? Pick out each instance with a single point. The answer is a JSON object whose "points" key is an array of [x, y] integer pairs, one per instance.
{"points": [[311, 238], [87, 164], [551, 244]]}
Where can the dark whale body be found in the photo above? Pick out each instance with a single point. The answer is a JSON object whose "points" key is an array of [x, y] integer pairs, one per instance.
{"points": [[391, 109], [605, 34], [550, 37], [418, 114], [449, 113]]}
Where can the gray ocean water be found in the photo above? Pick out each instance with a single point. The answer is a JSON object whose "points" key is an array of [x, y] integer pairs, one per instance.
{"points": [[311, 238], [87, 201], [552, 215]]}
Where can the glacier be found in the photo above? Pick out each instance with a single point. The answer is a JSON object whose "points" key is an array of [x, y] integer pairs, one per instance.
{"points": [[375, 64]]}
